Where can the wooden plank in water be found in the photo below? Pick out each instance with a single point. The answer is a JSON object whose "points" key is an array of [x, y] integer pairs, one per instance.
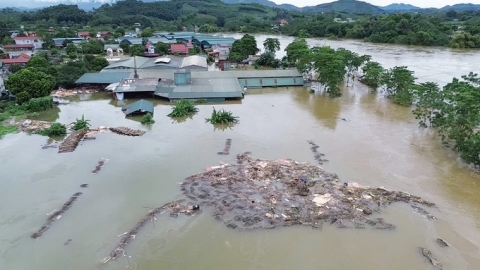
{"points": [[71, 142]]}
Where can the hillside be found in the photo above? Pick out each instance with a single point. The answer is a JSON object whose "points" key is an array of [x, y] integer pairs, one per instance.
{"points": [[263, 3], [461, 7], [347, 6], [400, 7]]}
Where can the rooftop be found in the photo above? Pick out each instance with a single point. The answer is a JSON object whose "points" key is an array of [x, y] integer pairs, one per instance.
{"points": [[141, 106], [102, 77], [27, 38]]}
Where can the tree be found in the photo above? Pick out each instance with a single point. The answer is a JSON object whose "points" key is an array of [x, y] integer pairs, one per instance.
{"points": [[37, 62], [299, 55], [8, 40], [220, 22], [125, 45], [243, 47], [162, 48], [15, 68], [71, 50], [271, 45], [137, 50], [31, 82], [373, 73], [267, 59], [330, 65], [399, 83], [99, 63], [427, 108], [69, 72], [92, 47], [147, 32]]}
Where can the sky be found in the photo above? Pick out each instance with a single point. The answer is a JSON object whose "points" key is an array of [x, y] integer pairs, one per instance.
{"points": [[382, 3]]}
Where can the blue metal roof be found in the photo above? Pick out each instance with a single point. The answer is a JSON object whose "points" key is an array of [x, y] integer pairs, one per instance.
{"points": [[141, 106], [102, 77]]}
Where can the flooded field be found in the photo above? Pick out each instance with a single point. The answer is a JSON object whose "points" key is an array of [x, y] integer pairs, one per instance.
{"points": [[365, 138]]}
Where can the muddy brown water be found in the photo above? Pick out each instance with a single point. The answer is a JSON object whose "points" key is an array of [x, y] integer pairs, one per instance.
{"points": [[379, 144]]}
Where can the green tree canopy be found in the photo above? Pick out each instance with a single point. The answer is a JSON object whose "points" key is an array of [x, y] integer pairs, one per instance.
{"points": [[31, 83], [271, 45], [243, 47], [147, 32], [162, 48], [137, 50]]}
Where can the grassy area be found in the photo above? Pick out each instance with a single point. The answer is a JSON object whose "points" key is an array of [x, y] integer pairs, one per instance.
{"points": [[4, 130]]}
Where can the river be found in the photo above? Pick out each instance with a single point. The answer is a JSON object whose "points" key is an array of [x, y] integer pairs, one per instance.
{"points": [[379, 144]]}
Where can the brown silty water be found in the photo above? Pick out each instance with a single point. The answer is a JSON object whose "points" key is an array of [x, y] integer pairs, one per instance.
{"points": [[377, 144]]}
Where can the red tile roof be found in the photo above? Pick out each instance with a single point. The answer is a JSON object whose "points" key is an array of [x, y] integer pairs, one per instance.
{"points": [[84, 34], [104, 33], [27, 38], [22, 59], [19, 46], [178, 48]]}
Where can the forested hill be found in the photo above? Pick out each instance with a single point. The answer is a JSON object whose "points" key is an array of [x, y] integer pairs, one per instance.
{"points": [[455, 29]]}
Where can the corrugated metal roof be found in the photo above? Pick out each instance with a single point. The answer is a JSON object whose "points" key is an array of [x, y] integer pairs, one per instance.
{"points": [[138, 106], [145, 63], [102, 77], [247, 74], [203, 88], [194, 60]]}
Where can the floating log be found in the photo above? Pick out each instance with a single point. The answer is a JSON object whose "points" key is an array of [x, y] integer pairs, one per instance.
{"points": [[55, 216], [317, 155], [175, 208], [431, 259], [71, 142], [100, 165], [226, 149], [127, 131]]}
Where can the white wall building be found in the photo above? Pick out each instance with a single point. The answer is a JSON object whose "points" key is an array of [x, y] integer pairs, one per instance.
{"points": [[37, 42]]}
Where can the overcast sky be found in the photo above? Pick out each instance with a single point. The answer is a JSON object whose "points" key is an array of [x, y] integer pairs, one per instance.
{"points": [[381, 3]]}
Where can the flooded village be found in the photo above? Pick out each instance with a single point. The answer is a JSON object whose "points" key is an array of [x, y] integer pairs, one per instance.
{"points": [[348, 182]]}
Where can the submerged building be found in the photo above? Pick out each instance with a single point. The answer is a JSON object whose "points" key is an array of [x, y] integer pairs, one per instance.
{"points": [[174, 78]]}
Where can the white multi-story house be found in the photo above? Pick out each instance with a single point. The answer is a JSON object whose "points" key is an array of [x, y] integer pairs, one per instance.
{"points": [[35, 41], [223, 50]]}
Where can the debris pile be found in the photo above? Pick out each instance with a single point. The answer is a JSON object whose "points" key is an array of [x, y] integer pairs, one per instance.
{"points": [[29, 125], [175, 208], [56, 215], [50, 145], [71, 142], [257, 193], [100, 165], [317, 155], [226, 149], [127, 131], [431, 259]]}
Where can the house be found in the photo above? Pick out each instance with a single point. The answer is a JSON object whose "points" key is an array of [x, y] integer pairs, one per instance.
{"points": [[104, 34], [178, 48], [222, 50], [283, 22], [84, 34], [350, 20], [22, 59], [37, 42], [15, 50], [139, 107], [31, 34], [14, 33]]}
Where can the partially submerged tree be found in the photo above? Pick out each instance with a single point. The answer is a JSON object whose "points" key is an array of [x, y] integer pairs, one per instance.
{"points": [[29, 83], [183, 108], [271, 45], [222, 117]]}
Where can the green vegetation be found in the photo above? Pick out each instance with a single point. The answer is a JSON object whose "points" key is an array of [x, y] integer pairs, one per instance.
{"points": [[454, 111], [4, 130], [222, 117], [183, 108], [147, 119], [56, 129], [243, 47], [81, 124]]}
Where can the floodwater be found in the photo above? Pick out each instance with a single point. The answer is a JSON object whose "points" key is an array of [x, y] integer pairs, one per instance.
{"points": [[379, 144]]}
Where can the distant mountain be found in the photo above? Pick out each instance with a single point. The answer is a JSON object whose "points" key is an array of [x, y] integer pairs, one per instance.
{"points": [[347, 6], [263, 3], [399, 7], [461, 7]]}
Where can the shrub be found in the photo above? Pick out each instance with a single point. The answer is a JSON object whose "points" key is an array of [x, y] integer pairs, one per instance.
{"points": [[81, 124], [147, 119], [222, 117], [22, 97], [4, 130], [56, 129], [39, 104], [183, 108]]}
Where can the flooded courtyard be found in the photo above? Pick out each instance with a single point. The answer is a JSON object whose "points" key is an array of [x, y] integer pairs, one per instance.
{"points": [[365, 137]]}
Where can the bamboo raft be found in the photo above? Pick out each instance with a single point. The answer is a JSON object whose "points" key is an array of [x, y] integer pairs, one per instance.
{"points": [[71, 142], [127, 131]]}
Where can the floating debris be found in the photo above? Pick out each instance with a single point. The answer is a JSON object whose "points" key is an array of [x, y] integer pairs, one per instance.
{"points": [[442, 242], [100, 165], [317, 155], [50, 145], [88, 138], [428, 254], [423, 212], [257, 193], [71, 142], [175, 208], [29, 125], [84, 185], [127, 131], [226, 150], [67, 242], [55, 216]]}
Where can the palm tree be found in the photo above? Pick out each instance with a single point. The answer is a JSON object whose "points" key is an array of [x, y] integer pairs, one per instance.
{"points": [[271, 45]]}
